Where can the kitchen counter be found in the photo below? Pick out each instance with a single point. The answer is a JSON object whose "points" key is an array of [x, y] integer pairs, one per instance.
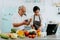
{"points": [[50, 37]]}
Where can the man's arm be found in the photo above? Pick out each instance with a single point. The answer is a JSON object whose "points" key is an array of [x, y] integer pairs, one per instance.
{"points": [[23, 23], [20, 24], [17, 24]]}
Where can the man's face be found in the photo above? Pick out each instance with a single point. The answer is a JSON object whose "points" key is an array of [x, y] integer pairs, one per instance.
{"points": [[22, 10]]}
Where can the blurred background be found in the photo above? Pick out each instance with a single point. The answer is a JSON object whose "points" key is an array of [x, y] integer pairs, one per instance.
{"points": [[8, 8]]}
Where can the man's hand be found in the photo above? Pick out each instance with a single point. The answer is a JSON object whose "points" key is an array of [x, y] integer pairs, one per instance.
{"points": [[25, 22]]}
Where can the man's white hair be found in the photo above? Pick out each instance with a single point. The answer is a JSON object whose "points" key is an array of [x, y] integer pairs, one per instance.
{"points": [[20, 7]]}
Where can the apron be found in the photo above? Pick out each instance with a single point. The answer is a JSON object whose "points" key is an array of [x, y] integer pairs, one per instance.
{"points": [[36, 24]]}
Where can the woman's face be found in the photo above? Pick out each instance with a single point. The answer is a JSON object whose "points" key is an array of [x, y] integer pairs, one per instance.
{"points": [[37, 11]]}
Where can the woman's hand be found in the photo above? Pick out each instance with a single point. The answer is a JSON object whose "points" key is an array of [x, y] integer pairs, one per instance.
{"points": [[32, 27]]}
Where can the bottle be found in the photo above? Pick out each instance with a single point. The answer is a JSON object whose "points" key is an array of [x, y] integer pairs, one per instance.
{"points": [[0, 31]]}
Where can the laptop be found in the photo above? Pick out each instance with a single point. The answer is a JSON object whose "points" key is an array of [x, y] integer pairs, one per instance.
{"points": [[51, 29]]}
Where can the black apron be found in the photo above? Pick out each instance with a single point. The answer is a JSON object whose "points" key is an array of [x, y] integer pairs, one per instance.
{"points": [[36, 24]]}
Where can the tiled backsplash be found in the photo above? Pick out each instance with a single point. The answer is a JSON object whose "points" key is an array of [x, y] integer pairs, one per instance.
{"points": [[8, 8]]}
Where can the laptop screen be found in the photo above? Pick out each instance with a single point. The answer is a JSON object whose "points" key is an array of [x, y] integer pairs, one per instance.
{"points": [[51, 29]]}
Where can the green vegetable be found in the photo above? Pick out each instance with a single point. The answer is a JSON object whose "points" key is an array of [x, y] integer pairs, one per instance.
{"points": [[4, 36], [33, 32], [13, 30], [30, 33], [22, 37]]}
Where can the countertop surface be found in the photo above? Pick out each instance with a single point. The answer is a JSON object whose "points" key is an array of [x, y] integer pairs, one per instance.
{"points": [[50, 37]]}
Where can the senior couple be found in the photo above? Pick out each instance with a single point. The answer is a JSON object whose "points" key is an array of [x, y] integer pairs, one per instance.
{"points": [[20, 19]]}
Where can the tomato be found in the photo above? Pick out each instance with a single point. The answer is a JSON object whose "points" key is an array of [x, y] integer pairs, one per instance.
{"points": [[30, 36], [33, 36], [38, 30], [26, 33]]}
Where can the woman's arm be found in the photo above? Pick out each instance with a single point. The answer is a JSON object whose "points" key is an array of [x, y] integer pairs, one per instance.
{"points": [[29, 21], [40, 25], [32, 27]]}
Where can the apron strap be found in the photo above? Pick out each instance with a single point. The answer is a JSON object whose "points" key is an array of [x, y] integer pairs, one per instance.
{"points": [[34, 18]]}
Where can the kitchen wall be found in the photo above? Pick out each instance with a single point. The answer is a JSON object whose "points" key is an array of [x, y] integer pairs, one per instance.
{"points": [[10, 7]]}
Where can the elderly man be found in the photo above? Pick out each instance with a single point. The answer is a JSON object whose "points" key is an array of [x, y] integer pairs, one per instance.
{"points": [[20, 19]]}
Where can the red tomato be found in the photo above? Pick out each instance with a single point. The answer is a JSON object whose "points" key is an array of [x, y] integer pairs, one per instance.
{"points": [[30, 36], [33, 36], [26, 33]]}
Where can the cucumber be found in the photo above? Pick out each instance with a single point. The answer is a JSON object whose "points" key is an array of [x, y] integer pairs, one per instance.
{"points": [[4, 36]]}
